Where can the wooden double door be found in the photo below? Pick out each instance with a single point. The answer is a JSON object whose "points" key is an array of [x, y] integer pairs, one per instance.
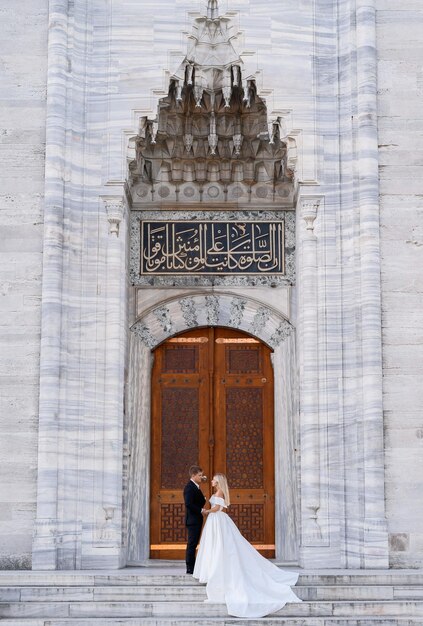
{"points": [[212, 405]]}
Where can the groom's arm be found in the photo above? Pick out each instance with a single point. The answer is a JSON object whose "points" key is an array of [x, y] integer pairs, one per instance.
{"points": [[189, 497]]}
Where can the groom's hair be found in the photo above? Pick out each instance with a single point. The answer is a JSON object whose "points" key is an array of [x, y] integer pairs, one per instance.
{"points": [[194, 469]]}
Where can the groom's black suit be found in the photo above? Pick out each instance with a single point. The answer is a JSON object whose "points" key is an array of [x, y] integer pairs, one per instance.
{"points": [[194, 502]]}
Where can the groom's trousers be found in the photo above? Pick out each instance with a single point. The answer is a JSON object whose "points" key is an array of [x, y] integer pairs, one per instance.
{"points": [[194, 533]]}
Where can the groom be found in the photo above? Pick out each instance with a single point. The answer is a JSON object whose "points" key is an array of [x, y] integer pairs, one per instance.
{"points": [[194, 503]]}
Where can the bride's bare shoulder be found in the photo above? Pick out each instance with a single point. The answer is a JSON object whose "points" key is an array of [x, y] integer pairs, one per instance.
{"points": [[219, 493]]}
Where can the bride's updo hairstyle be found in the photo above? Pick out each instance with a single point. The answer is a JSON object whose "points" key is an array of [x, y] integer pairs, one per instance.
{"points": [[223, 485]]}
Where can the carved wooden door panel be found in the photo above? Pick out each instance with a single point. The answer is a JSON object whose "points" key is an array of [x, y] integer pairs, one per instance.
{"points": [[244, 433], [180, 433], [212, 403]]}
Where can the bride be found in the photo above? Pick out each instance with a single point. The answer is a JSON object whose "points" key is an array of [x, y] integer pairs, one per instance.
{"points": [[235, 573]]}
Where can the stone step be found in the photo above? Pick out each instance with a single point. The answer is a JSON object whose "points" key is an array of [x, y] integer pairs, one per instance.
{"points": [[167, 597], [187, 593], [148, 576], [168, 610], [224, 621]]}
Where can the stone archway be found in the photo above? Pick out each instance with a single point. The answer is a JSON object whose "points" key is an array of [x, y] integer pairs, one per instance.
{"points": [[213, 309], [176, 316]]}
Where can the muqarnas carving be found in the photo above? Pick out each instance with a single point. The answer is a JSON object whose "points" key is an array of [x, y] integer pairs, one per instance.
{"points": [[212, 141]]}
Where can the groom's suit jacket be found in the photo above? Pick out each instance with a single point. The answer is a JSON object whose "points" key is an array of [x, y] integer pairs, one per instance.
{"points": [[194, 502]]}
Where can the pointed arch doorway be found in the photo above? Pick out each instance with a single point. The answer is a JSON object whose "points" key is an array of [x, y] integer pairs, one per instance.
{"points": [[212, 404]]}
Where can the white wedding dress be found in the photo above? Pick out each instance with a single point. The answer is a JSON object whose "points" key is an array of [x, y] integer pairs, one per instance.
{"points": [[236, 574]]}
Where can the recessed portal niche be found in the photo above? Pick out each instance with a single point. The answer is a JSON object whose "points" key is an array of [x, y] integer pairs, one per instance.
{"points": [[212, 191]]}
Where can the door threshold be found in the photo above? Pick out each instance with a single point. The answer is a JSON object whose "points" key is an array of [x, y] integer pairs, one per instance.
{"points": [[157, 563]]}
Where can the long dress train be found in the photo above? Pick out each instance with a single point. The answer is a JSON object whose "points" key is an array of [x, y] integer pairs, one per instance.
{"points": [[236, 574]]}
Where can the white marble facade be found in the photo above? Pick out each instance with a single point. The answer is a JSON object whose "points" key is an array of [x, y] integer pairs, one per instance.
{"points": [[108, 64]]}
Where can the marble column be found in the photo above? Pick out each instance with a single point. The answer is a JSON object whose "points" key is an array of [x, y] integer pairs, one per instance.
{"points": [[139, 403], [374, 532], [311, 532], [286, 450], [45, 533], [109, 465]]}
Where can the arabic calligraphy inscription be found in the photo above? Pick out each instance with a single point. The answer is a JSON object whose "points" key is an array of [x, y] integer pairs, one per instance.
{"points": [[218, 248]]}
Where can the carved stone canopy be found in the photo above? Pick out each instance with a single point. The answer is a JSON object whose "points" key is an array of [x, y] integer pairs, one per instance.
{"points": [[211, 140]]}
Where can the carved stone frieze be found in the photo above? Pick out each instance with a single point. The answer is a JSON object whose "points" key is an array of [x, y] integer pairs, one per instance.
{"points": [[237, 311], [144, 333], [283, 331], [189, 312], [212, 310], [261, 317], [165, 321]]}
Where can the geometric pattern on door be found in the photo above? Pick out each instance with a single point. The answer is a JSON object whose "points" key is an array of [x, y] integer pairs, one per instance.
{"points": [[250, 519], [244, 437]]}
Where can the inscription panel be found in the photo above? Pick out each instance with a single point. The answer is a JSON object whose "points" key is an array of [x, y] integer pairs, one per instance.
{"points": [[199, 278], [186, 247]]}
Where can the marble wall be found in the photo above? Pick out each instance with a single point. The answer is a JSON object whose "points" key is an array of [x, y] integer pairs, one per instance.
{"points": [[400, 92], [23, 79], [108, 65]]}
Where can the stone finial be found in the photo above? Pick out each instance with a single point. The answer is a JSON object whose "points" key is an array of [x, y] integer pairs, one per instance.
{"points": [[213, 137], [213, 9], [238, 140], [115, 210], [227, 88], [188, 141]]}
